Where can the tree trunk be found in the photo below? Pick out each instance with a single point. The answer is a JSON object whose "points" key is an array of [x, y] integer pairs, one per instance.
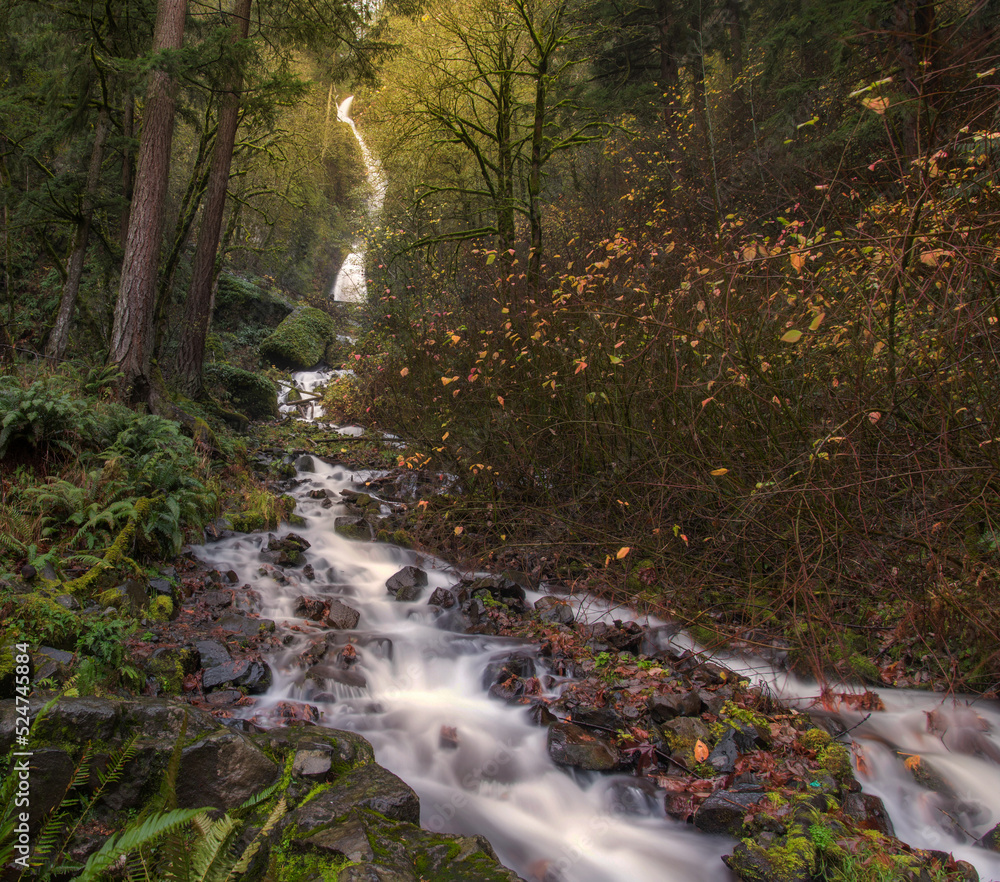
{"points": [[200, 301], [131, 336], [128, 165], [59, 337]]}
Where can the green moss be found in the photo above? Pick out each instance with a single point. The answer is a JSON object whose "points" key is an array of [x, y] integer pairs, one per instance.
{"points": [[815, 739], [162, 609], [865, 669], [300, 340], [835, 759]]}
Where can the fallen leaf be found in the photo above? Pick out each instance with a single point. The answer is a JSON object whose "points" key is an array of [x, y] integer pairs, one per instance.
{"points": [[701, 751]]}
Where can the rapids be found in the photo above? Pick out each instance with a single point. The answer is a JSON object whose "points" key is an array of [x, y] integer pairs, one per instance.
{"points": [[421, 680]]}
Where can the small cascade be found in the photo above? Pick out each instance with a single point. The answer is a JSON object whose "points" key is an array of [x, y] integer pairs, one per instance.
{"points": [[350, 284], [416, 691]]}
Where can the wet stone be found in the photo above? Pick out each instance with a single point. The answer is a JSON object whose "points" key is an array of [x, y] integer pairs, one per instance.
{"points": [[224, 697], [407, 578], [668, 705], [443, 598], [161, 587], [868, 811], [212, 653], [724, 810], [571, 745], [342, 616], [67, 601], [239, 624], [448, 739], [314, 764], [555, 610], [990, 839]]}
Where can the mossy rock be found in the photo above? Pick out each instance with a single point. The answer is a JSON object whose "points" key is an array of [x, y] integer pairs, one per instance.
{"points": [[252, 394], [240, 303], [300, 340]]}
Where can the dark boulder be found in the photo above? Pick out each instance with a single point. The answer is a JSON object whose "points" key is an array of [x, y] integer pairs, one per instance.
{"points": [[724, 810], [408, 580], [571, 745]]}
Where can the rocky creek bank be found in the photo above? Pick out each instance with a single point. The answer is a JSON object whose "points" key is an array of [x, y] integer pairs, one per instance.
{"points": [[699, 742]]}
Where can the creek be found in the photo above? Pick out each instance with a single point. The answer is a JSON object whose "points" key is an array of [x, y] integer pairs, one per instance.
{"points": [[415, 680]]}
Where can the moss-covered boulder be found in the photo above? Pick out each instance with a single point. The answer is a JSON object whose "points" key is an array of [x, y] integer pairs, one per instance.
{"points": [[250, 393], [300, 341], [240, 304]]}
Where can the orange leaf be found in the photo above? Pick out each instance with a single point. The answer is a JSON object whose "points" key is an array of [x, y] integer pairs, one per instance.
{"points": [[404, 372], [622, 552], [459, 531], [798, 260], [912, 762], [701, 751], [878, 105]]}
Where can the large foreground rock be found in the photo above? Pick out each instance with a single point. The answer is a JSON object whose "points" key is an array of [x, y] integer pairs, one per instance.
{"points": [[343, 807]]}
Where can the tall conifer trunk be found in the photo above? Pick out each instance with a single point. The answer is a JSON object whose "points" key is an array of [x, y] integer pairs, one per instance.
{"points": [[131, 338], [201, 295], [59, 337]]}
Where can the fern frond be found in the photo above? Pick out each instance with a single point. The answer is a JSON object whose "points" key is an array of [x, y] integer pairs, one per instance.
{"points": [[243, 864], [211, 848], [134, 837]]}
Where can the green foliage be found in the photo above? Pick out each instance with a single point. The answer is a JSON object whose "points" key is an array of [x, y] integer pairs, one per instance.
{"points": [[44, 416]]}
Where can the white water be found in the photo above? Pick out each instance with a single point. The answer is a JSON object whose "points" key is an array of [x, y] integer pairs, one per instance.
{"points": [[500, 782], [350, 284]]}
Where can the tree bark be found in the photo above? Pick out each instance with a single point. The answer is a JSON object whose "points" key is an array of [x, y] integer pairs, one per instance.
{"points": [[201, 295], [59, 337], [128, 166], [131, 336]]}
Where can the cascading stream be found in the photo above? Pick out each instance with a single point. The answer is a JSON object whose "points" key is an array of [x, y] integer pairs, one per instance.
{"points": [[350, 284], [414, 681]]}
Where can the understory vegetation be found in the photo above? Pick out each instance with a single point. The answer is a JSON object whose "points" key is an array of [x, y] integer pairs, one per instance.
{"points": [[750, 379]]}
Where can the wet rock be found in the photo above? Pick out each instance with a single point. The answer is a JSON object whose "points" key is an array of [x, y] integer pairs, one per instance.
{"points": [[607, 717], [990, 839], [506, 678], [220, 528], [448, 738], [314, 764], [218, 598], [668, 705], [353, 528], [407, 580], [571, 745], [342, 617], [868, 811], [171, 664], [68, 601], [309, 572], [502, 588], [540, 715], [288, 550], [305, 463], [312, 607], [633, 796], [223, 770], [286, 713], [555, 610], [369, 786], [733, 743], [247, 601], [724, 810], [51, 771], [623, 637], [212, 653], [239, 624], [254, 676], [443, 597], [401, 847], [751, 862], [161, 587], [683, 733], [224, 697]]}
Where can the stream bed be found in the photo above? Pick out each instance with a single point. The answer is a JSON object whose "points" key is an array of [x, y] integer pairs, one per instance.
{"points": [[415, 689]]}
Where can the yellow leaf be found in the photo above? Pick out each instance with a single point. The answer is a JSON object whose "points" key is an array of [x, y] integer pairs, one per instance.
{"points": [[792, 336], [455, 338], [444, 437], [404, 372], [718, 473], [459, 531], [701, 751], [622, 552], [816, 322], [446, 380], [798, 260]]}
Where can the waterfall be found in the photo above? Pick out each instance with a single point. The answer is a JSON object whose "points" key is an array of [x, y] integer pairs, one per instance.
{"points": [[350, 283]]}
